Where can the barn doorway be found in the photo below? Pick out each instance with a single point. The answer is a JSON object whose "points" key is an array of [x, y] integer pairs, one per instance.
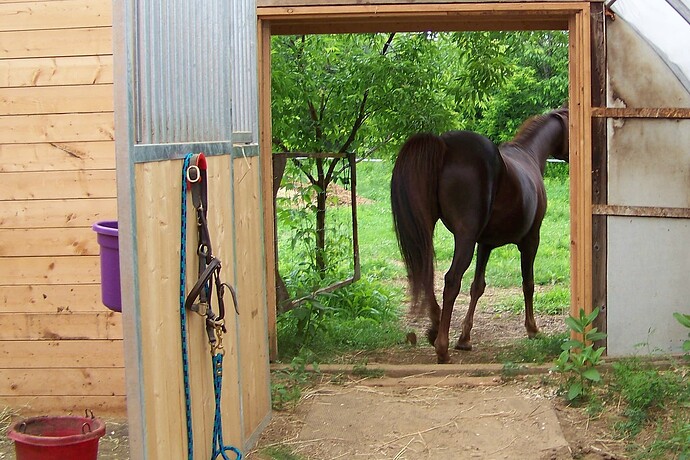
{"points": [[277, 19]]}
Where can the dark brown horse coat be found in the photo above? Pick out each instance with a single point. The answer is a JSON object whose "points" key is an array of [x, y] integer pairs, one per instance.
{"points": [[484, 195]]}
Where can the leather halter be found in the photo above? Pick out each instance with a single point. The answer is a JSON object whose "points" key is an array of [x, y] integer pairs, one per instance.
{"points": [[209, 266]]}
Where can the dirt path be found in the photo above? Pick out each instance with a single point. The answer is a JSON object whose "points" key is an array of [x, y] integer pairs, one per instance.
{"points": [[427, 419], [417, 412], [451, 417]]}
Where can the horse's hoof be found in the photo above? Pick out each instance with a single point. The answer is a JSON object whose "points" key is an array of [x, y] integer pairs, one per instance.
{"points": [[533, 335], [443, 359], [431, 335], [464, 346]]}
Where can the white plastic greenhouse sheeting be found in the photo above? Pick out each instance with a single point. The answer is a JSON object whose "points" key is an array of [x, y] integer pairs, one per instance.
{"points": [[665, 25]]}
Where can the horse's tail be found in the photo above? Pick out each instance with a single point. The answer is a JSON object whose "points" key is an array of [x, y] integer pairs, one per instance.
{"points": [[414, 202]]}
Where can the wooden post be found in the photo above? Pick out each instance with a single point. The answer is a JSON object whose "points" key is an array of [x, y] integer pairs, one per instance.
{"points": [[580, 162]]}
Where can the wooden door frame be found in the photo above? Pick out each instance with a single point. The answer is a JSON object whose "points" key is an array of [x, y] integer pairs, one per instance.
{"points": [[309, 17]]}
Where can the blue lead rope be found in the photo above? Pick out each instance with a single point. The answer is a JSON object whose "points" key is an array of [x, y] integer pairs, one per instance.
{"points": [[218, 447], [183, 311]]}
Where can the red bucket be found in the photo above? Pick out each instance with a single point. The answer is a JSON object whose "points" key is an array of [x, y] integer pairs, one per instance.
{"points": [[57, 438]]}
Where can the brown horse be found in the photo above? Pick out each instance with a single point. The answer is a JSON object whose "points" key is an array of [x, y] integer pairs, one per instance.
{"points": [[485, 195]]}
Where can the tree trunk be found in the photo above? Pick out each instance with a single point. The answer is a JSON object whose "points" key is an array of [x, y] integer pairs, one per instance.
{"points": [[322, 185], [282, 296]]}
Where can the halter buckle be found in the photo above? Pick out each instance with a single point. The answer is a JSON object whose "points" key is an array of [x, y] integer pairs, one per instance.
{"points": [[201, 308]]}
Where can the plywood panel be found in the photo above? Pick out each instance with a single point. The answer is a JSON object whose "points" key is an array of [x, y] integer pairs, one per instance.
{"points": [[64, 14], [638, 77], [159, 297], [77, 382], [50, 270], [158, 188], [60, 214], [58, 184], [60, 326], [82, 70], [66, 156], [47, 298], [251, 285], [57, 99], [56, 43], [19, 354], [649, 262], [221, 220], [76, 127], [27, 406], [48, 242], [649, 163]]}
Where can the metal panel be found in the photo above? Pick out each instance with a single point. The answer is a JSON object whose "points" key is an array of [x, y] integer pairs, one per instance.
{"points": [[244, 72], [647, 283], [182, 69], [638, 77], [649, 163]]}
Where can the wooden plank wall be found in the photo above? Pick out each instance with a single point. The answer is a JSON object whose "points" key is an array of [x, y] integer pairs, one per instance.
{"points": [[60, 348]]}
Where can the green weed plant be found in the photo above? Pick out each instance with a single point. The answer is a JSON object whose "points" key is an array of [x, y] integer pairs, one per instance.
{"points": [[684, 319], [655, 409], [578, 361], [287, 384]]}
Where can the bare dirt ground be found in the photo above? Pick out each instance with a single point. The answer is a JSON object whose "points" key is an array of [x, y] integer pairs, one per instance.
{"points": [[431, 414], [427, 418]]}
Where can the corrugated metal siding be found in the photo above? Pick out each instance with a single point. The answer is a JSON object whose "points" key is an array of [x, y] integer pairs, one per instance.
{"points": [[244, 81], [183, 59]]}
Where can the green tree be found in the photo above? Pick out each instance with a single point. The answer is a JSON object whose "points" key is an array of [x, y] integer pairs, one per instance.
{"points": [[534, 71], [358, 94]]}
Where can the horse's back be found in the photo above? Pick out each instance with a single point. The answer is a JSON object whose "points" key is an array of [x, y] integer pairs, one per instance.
{"points": [[467, 185], [520, 201]]}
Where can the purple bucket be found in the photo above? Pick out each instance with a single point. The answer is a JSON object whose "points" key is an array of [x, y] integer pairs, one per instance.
{"points": [[110, 264]]}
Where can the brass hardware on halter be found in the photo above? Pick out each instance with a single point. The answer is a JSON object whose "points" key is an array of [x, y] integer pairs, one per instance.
{"points": [[217, 345]]}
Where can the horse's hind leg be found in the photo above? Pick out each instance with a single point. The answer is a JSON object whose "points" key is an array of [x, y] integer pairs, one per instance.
{"points": [[434, 316], [528, 252], [462, 257], [476, 291]]}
